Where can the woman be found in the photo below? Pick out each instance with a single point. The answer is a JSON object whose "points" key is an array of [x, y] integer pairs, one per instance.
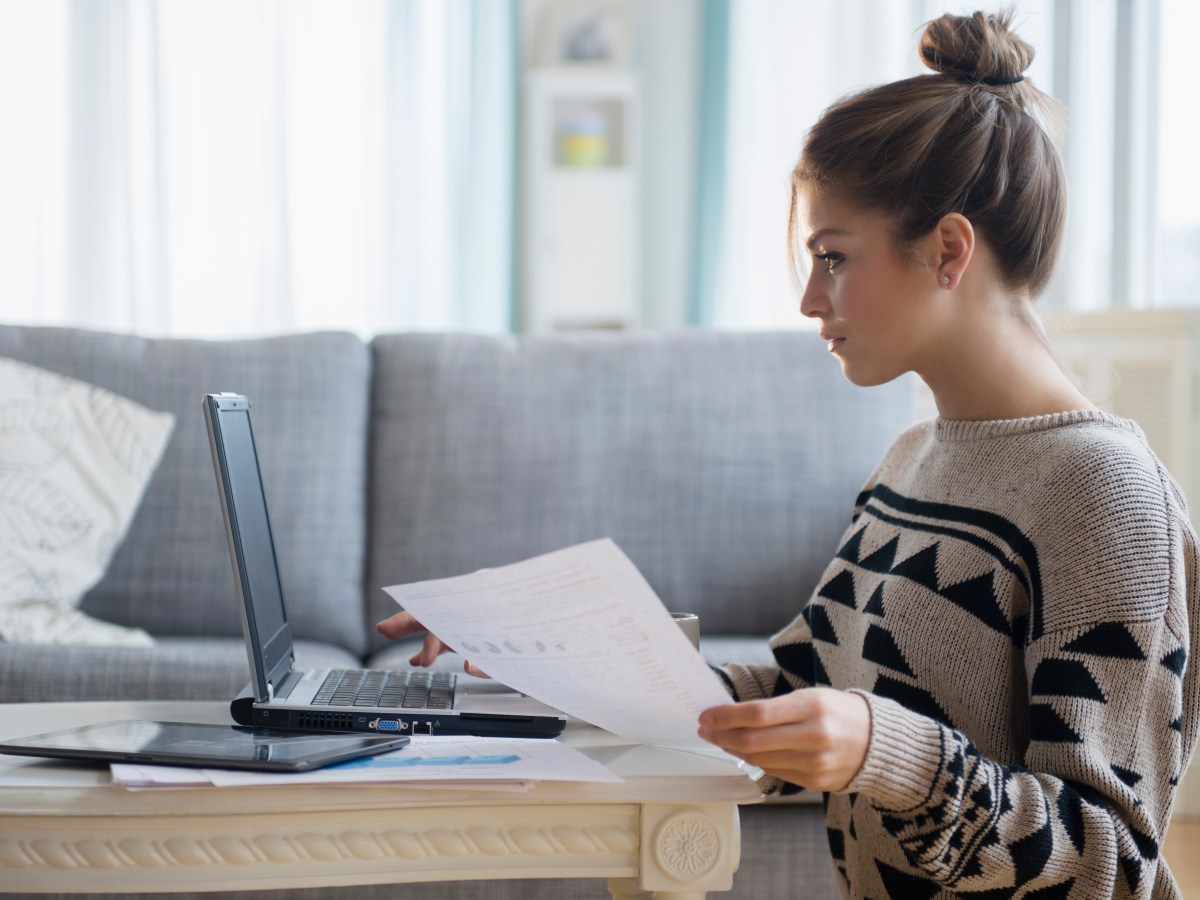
{"points": [[999, 702], [997, 698]]}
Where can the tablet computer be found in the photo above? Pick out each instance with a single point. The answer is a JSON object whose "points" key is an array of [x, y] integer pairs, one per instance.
{"points": [[204, 745]]}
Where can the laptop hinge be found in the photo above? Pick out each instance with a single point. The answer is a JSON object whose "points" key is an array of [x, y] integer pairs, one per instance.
{"points": [[286, 685]]}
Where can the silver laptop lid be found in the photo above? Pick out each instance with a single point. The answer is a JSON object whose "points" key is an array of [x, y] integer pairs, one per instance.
{"points": [[251, 544]]}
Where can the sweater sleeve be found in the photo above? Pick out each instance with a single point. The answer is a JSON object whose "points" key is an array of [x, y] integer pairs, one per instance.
{"points": [[797, 663], [1112, 719], [794, 657]]}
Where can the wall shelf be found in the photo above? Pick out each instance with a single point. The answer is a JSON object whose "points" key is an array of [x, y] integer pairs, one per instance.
{"points": [[580, 199]]}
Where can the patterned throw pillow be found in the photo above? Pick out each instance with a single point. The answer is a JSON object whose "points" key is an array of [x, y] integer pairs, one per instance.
{"points": [[74, 461]]}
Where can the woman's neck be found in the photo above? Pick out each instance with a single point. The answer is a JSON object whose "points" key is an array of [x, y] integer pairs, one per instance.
{"points": [[1000, 368]]}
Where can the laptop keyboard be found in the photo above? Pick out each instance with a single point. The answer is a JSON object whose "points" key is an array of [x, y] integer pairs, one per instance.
{"points": [[392, 690]]}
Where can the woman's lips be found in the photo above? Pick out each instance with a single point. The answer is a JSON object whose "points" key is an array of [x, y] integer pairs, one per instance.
{"points": [[832, 342]]}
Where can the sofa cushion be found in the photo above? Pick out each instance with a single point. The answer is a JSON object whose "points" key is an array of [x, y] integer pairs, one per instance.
{"points": [[175, 668], [172, 574], [74, 462], [725, 465]]}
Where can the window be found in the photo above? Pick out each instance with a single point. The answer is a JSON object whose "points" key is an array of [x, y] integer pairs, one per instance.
{"points": [[226, 167], [1176, 261], [1122, 68]]}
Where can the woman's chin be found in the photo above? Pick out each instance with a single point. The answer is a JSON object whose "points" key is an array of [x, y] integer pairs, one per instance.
{"points": [[863, 376]]}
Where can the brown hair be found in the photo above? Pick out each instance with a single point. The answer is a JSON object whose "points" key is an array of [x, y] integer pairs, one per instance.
{"points": [[973, 139]]}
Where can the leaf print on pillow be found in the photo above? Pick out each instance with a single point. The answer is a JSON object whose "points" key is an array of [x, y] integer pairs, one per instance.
{"points": [[106, 545], [37, 515], [32, 436], [18, 581], [123, 431], [42, 382], [75, 459]]}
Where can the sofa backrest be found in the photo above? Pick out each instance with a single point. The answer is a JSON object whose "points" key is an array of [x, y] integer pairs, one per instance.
{"points": [[725, 465], [309, 392]]}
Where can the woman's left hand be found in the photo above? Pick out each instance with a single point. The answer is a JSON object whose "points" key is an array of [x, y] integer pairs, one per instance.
{"points": [[814, 737]]}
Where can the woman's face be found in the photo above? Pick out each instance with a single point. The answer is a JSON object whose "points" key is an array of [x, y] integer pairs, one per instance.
{"points": [[879, 311]]}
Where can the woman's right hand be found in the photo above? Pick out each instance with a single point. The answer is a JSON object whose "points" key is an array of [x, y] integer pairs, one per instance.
{"points": [[402, 624]]}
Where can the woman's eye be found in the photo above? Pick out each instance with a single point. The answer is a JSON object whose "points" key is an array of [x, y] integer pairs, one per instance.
{"points": [[831, 260]]}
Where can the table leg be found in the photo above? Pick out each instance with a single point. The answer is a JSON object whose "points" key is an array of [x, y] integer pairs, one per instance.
{"points": [[627, 889]]}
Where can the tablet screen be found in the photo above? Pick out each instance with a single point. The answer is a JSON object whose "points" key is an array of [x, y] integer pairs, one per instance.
{"points": [[196, 744]]}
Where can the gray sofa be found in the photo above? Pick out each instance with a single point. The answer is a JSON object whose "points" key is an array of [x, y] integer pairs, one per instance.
{"points": [[725, 465]]}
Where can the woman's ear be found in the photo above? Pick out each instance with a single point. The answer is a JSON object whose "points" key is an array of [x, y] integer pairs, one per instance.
{"points": [[953, 245]]}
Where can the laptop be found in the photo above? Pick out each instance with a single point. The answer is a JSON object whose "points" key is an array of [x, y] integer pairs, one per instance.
{"points": [[279, 695]]}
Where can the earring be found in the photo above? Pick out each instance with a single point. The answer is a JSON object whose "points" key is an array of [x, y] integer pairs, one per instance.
{"points": [[947, 278]]}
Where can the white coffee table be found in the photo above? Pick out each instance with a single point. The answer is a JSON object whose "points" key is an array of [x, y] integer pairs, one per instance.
{"points": [[670, 828]]}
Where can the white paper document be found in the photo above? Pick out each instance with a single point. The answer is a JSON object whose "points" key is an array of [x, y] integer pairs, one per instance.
{"points": [[581, 630], [481, 762]]}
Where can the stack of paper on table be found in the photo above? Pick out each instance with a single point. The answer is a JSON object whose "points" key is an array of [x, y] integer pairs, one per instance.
{"points": [[495, 763]]}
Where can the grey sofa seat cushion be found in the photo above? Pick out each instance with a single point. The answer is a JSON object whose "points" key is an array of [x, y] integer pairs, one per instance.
{"points": [[173, 669], [719, 649], [725, 465], [172, 575]]}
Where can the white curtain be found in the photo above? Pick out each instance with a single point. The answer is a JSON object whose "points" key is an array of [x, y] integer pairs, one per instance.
{"points": [[236, 167]]}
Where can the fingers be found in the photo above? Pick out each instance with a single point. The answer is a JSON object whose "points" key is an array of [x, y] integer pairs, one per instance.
{"points": [[399, 625], [471, 669], [403, 624], [816, 737], [430, 650], [788, 708], [809, 738]]}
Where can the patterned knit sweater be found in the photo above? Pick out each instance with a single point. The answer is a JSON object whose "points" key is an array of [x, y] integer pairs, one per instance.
{"points": [[1017, 602]]}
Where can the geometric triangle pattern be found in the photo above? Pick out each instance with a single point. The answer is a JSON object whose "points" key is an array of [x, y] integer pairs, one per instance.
{"points": [[882, 559], [978, 597], [850, 550], [801, 660], [1108, 640], [1060, 891], [921, 567], [1030, 853], [902, 886], [1065, 678], [837, 843], [1176, 660], [880, 647], [820, 625], [1132, 868], [939, 609], [1128, 776], [839, 589], [1045, 724], [1070, 816], [875, 604]]}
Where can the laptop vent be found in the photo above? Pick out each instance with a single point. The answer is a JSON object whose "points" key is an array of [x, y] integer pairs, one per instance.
{"points": [[322, 721]]}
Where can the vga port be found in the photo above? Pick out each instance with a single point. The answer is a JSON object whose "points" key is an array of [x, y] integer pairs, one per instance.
{"points": [[387, 725]]}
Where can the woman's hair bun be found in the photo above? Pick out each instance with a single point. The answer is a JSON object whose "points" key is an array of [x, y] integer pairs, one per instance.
{"points": [[979, 47]]}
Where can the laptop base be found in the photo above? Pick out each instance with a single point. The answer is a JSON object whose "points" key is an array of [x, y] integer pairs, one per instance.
{"points": [[245, 710]]}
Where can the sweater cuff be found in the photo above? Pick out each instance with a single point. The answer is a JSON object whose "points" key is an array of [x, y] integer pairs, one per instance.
{"points": [[745, 685], [903, 759]]}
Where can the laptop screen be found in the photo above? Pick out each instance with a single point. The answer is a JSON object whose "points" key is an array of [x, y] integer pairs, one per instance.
{"points": [[250, 534]]}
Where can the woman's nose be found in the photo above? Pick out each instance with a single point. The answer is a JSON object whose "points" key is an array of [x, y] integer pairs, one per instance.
{"points": [[813, 302]]}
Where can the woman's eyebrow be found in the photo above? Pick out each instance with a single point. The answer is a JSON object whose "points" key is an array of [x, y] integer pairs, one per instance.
{"points": [[817, 236]]}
